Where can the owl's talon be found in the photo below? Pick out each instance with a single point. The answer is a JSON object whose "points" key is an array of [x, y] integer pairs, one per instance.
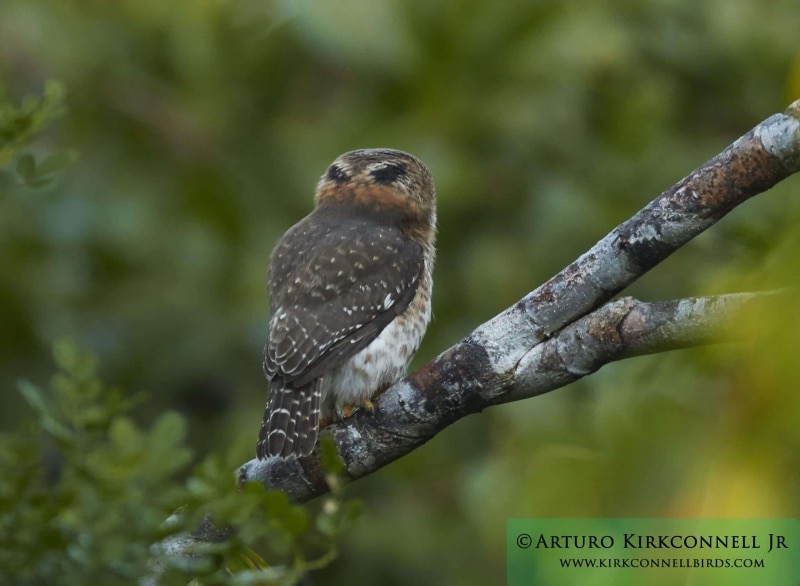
{"points": [[346, 411]]}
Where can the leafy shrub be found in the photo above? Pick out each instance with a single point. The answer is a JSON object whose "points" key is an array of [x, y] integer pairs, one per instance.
{"points": [[90, 497]]}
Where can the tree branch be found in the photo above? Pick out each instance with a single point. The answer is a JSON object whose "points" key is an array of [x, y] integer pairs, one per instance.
{"points": [[547, 340], [623, 329]]}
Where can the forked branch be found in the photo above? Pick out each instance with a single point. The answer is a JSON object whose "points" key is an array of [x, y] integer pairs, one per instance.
{"points": [[566, 328]]}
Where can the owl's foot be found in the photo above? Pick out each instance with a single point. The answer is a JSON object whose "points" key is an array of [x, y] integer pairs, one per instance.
{"points": [[348, 410]]}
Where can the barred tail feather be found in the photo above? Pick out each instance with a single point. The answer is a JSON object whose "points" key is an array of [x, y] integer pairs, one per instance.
{"points": [[307, 426], [291, 420]]}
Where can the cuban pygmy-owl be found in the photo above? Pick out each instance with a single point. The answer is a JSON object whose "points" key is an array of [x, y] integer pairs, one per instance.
{"points": [[350, 295]]}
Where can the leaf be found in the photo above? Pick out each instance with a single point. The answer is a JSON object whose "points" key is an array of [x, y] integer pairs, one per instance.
{"points": [[276, 502], [66, 354], [18, 126], [296, 521], [331, 462], [94, 417], [125, 435], [40, 183], [33, 395], [326, 525], [166, 453], [57, 162], [168, 431], [254, 561], [35, 398], [54, 94]]}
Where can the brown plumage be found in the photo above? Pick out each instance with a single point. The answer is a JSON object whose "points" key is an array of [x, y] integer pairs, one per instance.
{"points": [[350, 288]]}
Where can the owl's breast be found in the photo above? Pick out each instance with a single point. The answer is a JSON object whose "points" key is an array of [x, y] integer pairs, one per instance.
{"points": [[385, 359]]}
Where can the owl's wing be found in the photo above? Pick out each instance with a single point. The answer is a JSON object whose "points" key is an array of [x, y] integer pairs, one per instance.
{"points": [[334, 286]]}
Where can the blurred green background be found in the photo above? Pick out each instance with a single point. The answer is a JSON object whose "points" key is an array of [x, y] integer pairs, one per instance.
{"points": [[202, 127]]}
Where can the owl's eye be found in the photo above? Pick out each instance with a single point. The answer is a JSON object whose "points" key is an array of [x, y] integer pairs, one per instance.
{"points": [[388, 174], [336, 174]]}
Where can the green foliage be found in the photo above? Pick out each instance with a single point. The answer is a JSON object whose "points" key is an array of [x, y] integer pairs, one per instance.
{"points": [[19, 126], [89, 497]]}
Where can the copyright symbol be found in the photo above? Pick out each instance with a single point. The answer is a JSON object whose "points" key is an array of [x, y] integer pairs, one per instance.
{"points": [[524, 541]]}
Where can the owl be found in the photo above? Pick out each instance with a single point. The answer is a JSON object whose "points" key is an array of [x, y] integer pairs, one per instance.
{"points": [[350, 295]]}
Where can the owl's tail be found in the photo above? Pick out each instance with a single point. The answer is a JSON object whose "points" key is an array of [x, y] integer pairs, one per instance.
{"points": [[291, 420]]}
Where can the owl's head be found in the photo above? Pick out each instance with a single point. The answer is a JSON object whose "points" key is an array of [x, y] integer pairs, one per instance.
{"points": [[388, 180]]}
